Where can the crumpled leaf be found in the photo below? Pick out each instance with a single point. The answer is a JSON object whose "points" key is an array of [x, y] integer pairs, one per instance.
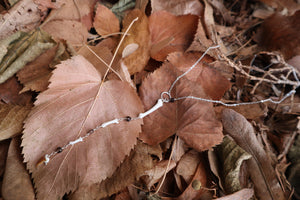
{"points": [[243, 194], [193, 121], [70, 30], [105, 21], [76, 102], [24, 16], [231, 157], [11, 119], [280, 33], [170, 33], [22, 50], [138, 34], [16, 181], [36, 74], [139, 160], [212, 82], [10, 93], [262, 173], [178, 7]]}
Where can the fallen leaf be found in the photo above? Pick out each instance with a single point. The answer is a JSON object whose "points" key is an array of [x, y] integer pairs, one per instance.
{"points": [[134, 166], [11, 119], [99, 55], [36, 74], [105, 21], [24, 16], [178, 7], [231, 157], [243, 194], [4, 145], [164, 25], [262, 173], [24, 48], [121, 6], [75, 103], [280, 33], [212, 82], [138, 34], [16, 181], [187, 165], [289, 6], [193, 121], [10, 93]]}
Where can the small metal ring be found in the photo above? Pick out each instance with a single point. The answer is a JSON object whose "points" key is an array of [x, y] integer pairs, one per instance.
{"points": [[165, 97]]}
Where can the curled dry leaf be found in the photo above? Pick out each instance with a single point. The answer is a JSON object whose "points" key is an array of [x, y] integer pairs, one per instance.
{"points": [[11, 119], [138, 34], [281, 33], [262, 173], [178, 7], [167, 37], [212, 82], [70, 30], [36, 74], [193, 121], [76, 102], [24, 16], [134, 166], [105, 21], [16, 181]]}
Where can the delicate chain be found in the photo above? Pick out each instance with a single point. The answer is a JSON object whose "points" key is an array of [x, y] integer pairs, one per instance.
{"points": [[166, 97]]}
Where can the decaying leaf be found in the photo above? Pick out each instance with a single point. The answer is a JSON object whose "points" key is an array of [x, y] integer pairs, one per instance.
{"points": [[70, 30], [193, 121], [262, 173], [138, 34], [24, 16], [281, 33], [36, 74], [231, 157], [11, 119], [212, 82], [16, 181], [178, 7], [24, 48], [76, 102], [167, 37], [134, 166], [105, 21], [10, 93]]}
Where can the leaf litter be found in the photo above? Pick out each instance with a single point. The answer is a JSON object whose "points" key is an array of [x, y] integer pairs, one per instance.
{"points": [[98, 119]]}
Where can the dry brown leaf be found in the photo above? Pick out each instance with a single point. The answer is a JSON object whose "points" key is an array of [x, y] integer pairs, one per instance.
{"points": [[35, 75], [187, 165], [139, 160], [70, 30], [193, 121], [11, 119], [76, 102], [16, 181], [103, 54], [286, 5], [105, 21], [78, 10], [195, 188], [4, 145], [281, 33], [24, 16], [138, 34], [180, 30], [178, 7], [243, 194], [262, 173], [212, 82], [9, 93]]}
